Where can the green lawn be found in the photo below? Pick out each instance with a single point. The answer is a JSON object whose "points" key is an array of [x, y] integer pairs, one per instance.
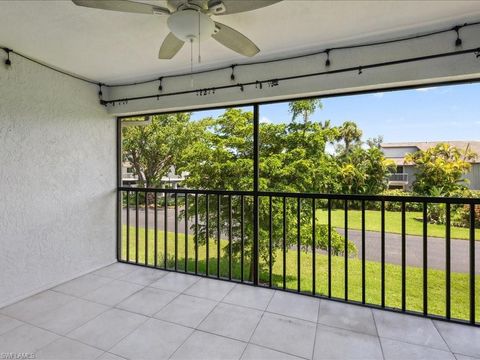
{"points": [[393, 223], [436, 278]]}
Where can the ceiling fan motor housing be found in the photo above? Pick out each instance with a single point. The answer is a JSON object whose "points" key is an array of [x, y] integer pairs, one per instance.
{"points": [[191, 24]]}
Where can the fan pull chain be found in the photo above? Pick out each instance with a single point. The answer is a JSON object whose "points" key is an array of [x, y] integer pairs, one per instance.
{"points": [[191, 62], [199, 55]]}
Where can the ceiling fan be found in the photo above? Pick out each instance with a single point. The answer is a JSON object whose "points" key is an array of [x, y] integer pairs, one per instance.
{"points": [[190, 20]]}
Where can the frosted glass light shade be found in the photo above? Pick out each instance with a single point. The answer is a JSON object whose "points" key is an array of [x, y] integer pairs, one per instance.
{"points": [[190, 24]]}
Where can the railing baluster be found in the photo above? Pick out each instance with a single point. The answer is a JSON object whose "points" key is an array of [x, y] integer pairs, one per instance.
{"points": [[383, 253], [346, 249], [448, 263], [230, 237], [196, 233], [207, 235], [165, 228], [270, 245], [176, 230], [329, 271], [472, 263], [314, 250], [155, 226], [128, 226], [364, 285], [186, 232], [404, 259], [284, 243], [242, 235], [146, 229], [298, 242], [226, 211], [218, 235], [136, 227], [425, 260]]}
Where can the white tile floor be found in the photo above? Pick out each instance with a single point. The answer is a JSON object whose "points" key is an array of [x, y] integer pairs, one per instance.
{"points": [[127, 312]]}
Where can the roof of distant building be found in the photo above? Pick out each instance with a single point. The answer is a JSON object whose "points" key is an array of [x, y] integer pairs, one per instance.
{"points": [[424, 145]]}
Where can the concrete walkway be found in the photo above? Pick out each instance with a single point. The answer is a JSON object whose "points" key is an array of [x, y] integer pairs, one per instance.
{"points": [[393, 243]]}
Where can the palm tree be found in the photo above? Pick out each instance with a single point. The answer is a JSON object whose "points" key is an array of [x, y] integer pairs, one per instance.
{"points": [[350, 134]]}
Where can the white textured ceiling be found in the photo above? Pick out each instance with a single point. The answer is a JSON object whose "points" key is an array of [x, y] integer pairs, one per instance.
{"points": [[114, 47]]}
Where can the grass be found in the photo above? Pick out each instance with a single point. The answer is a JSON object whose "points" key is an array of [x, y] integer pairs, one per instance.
{"points": [[414, 282], [414, 223]]}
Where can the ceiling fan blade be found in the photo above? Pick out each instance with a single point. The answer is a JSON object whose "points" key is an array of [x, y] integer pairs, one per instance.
{"points": [[234, 40], [170, 47], [226, 7], [122, 5]]}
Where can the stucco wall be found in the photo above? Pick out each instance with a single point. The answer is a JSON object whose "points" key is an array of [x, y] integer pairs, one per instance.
{"points": [[57, 180]]}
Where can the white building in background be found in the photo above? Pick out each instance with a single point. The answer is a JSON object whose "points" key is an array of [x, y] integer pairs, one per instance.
{"points": [[128, 177], [404, 177], [173, 180]]}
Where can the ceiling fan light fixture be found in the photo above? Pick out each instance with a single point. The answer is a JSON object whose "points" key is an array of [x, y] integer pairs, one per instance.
{"points": [[190, 24]]}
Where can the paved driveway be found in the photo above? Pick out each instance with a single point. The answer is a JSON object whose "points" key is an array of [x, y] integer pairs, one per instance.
{"points": [[393, 243]]}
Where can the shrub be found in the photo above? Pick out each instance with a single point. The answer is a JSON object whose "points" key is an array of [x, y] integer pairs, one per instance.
{"points": [[461, 216]]}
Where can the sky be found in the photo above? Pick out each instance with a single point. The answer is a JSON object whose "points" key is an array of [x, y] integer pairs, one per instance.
{"points": [[429, 114]]}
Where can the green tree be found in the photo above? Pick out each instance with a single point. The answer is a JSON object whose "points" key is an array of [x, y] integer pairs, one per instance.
{"points": [[304, 108], [440, 169], [152, 149], [364, 169], [292, 159], [349, 136]]}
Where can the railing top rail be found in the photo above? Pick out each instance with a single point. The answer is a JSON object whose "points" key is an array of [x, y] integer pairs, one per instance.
{"points": [[353, 197]]}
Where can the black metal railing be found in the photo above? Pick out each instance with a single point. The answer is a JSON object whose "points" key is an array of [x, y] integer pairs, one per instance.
{"points": [[342, 247], [399, 177]]}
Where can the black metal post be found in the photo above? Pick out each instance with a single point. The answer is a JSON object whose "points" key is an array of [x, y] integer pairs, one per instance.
{"points": [[404, 259], [146, 230], [155, 209], [472, 263], [448, 263], [255, 192], [364, 285], [346, 249], [128, 226], [425, 259], [382, 255]]}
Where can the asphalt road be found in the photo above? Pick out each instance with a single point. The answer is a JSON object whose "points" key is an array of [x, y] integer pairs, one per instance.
{"points": [[393, 254]]}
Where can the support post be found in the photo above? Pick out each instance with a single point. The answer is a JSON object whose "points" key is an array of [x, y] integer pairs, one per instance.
{"points": [[255, 192], [119, 193]]}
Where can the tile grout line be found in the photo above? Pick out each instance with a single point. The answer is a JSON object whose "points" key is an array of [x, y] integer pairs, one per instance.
{"points": [[378, 335], [149, 317], [259, 321], [110, 307], [196, 328], [143, 286], [414, 344], [267, 347], [58, 334], [131, 332], [66, 293], [445, 341], [12, 318], [316, 329]]}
